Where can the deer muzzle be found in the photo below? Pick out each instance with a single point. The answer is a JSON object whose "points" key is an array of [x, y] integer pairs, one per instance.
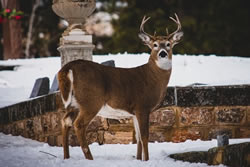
{"points": [[163, 53]]}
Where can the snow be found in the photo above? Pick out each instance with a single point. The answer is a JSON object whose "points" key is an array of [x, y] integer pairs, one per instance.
{"points": [[17, 151], [16, 86]]}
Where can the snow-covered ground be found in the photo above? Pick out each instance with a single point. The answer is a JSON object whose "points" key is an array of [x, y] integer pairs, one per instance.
{"points": [[16, 86], [16, 151]]}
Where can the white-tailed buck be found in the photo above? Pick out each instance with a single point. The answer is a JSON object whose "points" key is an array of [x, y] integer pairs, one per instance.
{"points": [[117, 92]]}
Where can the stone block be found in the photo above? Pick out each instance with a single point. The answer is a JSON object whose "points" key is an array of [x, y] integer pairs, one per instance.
{"points": [[192, 157], [248, 116], [157, 136], [169, 99], [52, 140], [236, 155], [196, 116], [229, 115], [233, 95], [238, 95], [195, 96], [54, 86], [110, 63], [4, 116], [163, 117], [222, 140], [111, 137], [214, 132], [37, 123], [41, 87], [46, 123], [181, 135], [55, 121], [243, 132]]}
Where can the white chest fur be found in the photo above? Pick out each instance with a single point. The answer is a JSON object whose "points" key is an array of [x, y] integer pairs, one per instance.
{"points": [[108, 112], [164, 63]]}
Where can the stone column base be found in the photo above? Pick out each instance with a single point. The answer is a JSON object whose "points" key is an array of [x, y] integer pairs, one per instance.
{"points": [[71, 52]]}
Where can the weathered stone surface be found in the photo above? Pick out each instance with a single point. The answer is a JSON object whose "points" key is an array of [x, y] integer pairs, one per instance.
{"points": [[54, 86], [238, 95], [248, 115], [157, 136], [8, 67], [41, 87], [182, 135], [243, 132], [222, 140], [236, 155], [112, 137], [169, 99], [214, 132], [163, 117], [196, 116], [193, 157], [109, 63], [37, 123], [28, 109], [195, 96], [235, 95], [230, 115]]}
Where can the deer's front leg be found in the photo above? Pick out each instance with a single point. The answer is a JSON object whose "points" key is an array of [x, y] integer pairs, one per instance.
{"points": [[141, 123]]}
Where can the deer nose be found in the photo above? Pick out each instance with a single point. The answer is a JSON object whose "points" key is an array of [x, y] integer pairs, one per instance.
{"points": [[163, 54]]}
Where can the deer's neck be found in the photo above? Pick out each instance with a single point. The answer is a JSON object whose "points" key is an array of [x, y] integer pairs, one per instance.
{"points": [[159, 75]]}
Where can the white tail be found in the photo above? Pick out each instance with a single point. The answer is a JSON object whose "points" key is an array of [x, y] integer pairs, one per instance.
{"points": [[117, 92]]}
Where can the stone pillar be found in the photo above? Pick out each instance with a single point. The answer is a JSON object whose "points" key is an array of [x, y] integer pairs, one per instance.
{"points": [[75, 43]]}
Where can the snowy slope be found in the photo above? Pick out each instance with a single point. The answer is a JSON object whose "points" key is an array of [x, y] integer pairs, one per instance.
{"points": [[21, 152], [16, 85]]}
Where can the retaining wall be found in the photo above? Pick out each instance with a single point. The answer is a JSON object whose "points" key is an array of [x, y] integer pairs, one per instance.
{"points": [[185, 113]]}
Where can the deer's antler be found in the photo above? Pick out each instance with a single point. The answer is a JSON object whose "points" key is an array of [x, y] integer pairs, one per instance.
{"points": [[177, 21], [144, 20]]}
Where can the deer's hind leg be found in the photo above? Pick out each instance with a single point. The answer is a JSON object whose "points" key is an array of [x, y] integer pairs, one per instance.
{"points": [[67, 123], [80, 125]]}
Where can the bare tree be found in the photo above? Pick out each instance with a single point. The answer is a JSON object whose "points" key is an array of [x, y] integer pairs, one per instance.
{"points": [[29, 35]]}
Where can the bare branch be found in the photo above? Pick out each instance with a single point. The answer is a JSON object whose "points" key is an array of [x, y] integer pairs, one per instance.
{"points": [[48, 154]]}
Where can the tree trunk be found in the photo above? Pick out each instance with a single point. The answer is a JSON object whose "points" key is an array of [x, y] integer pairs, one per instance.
{"points": [[31, 21], [12, 35]]}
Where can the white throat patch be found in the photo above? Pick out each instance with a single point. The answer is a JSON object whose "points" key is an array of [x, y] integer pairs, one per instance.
{"points": [[163, 62]]}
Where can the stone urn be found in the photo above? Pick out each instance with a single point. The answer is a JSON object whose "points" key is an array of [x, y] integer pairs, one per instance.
{"points": [[74, 11], [75, 43]]}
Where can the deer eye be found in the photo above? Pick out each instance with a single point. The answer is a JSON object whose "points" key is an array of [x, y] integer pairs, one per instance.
{"points": [[155, 45], [168, 45]]}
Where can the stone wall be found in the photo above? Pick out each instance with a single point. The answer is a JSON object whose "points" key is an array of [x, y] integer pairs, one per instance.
{"points": [[185, 113]]}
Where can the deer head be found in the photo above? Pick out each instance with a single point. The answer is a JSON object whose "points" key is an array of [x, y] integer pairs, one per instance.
{"points": [[161, 46]]}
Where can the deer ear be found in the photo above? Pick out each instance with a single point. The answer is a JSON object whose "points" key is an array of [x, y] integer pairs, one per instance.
{"points": [[146, 39], [177, 37]]}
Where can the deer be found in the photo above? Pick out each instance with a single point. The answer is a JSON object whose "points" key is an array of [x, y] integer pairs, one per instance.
{"points": [[112, 92]]}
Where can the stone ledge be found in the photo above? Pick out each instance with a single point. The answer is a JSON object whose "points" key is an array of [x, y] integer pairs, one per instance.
{"points": [[237, 95], [27, 109], [236, 155]]}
